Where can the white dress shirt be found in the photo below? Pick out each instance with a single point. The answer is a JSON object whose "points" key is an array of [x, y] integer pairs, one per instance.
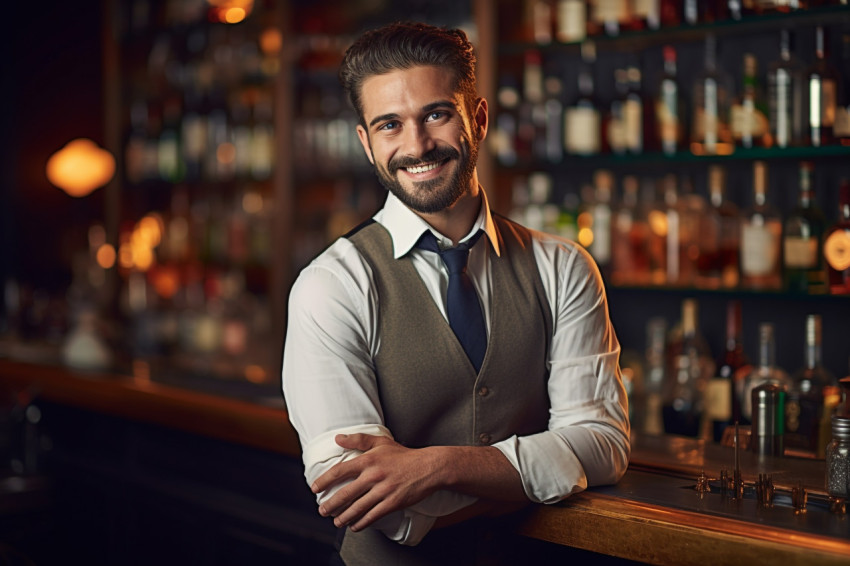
{"points": [[329, 380]]}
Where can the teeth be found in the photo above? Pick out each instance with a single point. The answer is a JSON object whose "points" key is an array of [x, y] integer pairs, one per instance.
{"points": [[422, 168]]}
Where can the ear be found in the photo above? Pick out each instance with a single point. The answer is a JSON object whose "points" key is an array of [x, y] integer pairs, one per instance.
{"points": [[481, 118], [364, 141]]}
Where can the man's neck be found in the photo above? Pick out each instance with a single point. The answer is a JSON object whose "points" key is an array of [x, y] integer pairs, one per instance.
{"points": [[456, 221]]}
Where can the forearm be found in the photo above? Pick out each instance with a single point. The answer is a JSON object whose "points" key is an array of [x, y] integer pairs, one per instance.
{"points": [[480, 471]]}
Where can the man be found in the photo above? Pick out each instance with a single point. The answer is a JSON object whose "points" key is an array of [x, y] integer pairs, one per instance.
{"points": [[411, 439]]}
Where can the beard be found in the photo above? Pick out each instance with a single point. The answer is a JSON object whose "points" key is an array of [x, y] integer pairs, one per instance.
{"points": [[436, 194]]}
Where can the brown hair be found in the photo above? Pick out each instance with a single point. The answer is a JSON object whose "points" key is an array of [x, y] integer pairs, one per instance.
{"points": [[404, 45]]}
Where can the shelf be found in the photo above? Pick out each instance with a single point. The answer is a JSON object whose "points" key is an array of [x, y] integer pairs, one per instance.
{"points": [[686, 157], [747, 294], [747, 25]]}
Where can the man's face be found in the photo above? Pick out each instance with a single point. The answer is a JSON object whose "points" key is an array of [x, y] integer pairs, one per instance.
{"points": [[420, 137]]}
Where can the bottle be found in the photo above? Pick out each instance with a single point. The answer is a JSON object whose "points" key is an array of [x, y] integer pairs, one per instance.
{"points": [[615, 127], [710, 132], [719, 236], [822, 80], [810, 396], [838, 451], [750, 127], [836, 245], [629, 264], [647, 12], [633, 112], [802, 239], [610, 15], [554, 119], [503, 139], [841, 128], [600, 248], [668, 106], [765, 371], [785, 96], [656, 335], [734, 366], [571, 21], [683, 210], [582, 124], [689, 367], [654, 210], [761, 233]]}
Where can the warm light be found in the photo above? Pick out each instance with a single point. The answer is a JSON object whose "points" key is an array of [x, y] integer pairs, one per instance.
{"points": [[106, 256], [658, 223], [149, 230], [165, 281], [80, 167], [271, 41], [252, 202], [142, 257], [255, 374], [584, 220], [585, 237], [234, 15], [226, 153], [125, 256]]}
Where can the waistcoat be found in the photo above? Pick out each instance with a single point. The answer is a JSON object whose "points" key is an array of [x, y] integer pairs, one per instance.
{"points": [[429, 391]]}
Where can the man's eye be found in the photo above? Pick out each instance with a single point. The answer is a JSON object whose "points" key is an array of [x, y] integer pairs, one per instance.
{"points": [[435, 116], [389, 126]]}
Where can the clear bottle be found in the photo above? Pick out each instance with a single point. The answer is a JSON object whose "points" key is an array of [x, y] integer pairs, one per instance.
{"points": [[634, 111], [719, 236], [651, 417], [802, 239], [761, 238], [629, 263], [765, 371], [582, 122], [600, 247], [785, 95], [668, 106], [748, 118], [809, 397], [554, 109], [836, 245], [710, 132], [689, 367], [615, 122], [822, 83]]}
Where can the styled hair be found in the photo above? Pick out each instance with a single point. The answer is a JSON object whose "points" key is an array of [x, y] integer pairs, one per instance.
{"points": [[404, 45]]}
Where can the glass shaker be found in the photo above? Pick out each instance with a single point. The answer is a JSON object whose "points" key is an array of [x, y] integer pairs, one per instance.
{"points": [[838, 451]]}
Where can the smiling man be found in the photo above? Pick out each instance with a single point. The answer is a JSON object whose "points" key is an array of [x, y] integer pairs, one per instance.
{"points": [[443, 366]]}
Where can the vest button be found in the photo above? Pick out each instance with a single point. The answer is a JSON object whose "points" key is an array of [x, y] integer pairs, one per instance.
{"points": [[484, 438], [483, 392]]}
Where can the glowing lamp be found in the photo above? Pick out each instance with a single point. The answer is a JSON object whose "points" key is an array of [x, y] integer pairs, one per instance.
{"points": [[80, 167]]}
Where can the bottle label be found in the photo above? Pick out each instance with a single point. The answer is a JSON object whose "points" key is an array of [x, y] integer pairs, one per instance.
{"points": [[759, 250], [836, 250], [800, 253], [633, 118], [841, 128], [571, 20], [667, 114], [582, 130], [747, 121]]}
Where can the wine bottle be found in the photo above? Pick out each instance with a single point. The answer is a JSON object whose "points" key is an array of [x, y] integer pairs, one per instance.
{"points": [[785, 96], [802, 239], [718, 236], [836, 245], [761, 232], [710, 132], [750, 127], [822, 83]]}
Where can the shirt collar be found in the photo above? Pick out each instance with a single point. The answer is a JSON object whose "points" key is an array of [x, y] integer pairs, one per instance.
{"points": [[406, 227]]}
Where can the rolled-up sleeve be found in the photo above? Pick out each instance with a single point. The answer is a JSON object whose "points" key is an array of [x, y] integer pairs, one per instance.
{"points": [[587, 440]]}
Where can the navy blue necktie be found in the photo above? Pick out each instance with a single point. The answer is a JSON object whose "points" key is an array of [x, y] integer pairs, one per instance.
{"points": [[462, 305]]}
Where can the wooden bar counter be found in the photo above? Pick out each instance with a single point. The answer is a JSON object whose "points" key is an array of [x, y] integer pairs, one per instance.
{"points": [[654, 515]]}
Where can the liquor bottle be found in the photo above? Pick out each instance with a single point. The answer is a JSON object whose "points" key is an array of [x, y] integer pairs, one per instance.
{"points": [[822, 81], [554, 119], [571, 21], [633, 112], [802, 239], [722, 406], [647, 13], [808, 398], [836, 245], [785, 95], [682, 212], [610, 15], [629, 264], [765, 371], [598, 205], [689, 367], [504, 137], [615, 122], [539, 17], [582, 127], [655, 213], [656, 337], [710, 132], [841, 128], [668, 106], [761, 233], [718, 236], [750, 127]]}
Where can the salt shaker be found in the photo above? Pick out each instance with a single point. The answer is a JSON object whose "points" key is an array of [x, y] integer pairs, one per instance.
{"points": [[838, 450]]}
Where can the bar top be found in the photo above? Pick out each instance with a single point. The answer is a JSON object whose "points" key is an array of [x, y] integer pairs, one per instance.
{"points": [[652, 515]]}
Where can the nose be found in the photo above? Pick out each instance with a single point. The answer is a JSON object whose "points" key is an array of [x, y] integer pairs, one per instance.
{"points": [[417, 140]]}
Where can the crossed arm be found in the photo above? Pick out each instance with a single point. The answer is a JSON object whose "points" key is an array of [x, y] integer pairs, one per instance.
{"points": [[388, 477]]}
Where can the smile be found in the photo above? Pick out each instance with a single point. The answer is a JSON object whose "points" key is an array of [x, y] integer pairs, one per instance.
{"points": [[422, 168]]}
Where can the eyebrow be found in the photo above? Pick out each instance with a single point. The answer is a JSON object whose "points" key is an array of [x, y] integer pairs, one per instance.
{"points": [[425, 109]]}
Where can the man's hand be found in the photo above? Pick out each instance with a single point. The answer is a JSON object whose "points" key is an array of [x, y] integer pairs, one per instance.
{"points": [[385, 478]]}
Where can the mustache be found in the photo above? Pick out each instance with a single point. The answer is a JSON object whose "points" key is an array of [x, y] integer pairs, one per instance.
{"points": [[441, 153]]}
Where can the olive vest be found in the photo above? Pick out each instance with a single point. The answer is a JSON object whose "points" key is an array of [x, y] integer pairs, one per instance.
{"points": [[429, 391]]}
